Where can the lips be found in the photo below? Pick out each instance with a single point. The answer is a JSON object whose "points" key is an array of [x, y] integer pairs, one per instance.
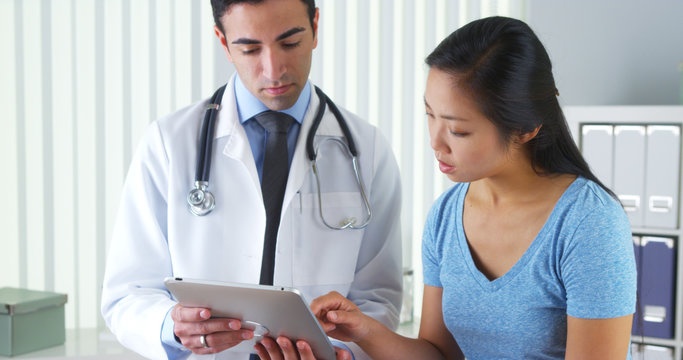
{"points": [[445, 168], [279, 90]]}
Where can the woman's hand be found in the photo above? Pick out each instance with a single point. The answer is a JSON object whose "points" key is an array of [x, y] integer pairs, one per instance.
{"points": [[340, 318]]}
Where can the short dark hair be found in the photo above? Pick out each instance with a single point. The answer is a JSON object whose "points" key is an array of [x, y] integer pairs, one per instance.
{"points": [[506, 69], [219, 8]]}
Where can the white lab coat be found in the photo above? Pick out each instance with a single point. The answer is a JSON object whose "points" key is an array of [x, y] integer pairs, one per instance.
{"points": [[156, 236]]}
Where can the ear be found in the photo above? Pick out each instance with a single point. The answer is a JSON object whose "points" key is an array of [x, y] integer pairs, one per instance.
{"points": [[526, 137], [315, 28], [223, 41]]}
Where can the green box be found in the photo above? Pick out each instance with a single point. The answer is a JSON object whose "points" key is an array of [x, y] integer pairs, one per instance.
{"points": [[30, 320]]}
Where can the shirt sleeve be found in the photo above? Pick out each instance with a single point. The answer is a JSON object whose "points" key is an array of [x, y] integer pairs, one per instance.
{"points": [[598, 266], [174, 349], [431, 256]]}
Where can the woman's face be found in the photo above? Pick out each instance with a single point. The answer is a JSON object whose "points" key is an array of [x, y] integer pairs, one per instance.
{"points": [[467, 145]]}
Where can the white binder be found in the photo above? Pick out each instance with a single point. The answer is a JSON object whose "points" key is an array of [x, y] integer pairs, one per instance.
{"points": [[661, 176], [597, 146], [629, 170], [651, 352]]}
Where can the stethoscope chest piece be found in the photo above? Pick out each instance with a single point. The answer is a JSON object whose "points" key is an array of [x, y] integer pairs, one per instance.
{"points": [[200, 199]]}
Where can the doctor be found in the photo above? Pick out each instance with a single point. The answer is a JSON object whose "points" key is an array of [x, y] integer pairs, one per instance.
{"points": [[270, 42]]}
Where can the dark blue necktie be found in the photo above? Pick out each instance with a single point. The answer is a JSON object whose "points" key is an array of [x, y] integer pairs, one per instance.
{"points": [[273, 183]]}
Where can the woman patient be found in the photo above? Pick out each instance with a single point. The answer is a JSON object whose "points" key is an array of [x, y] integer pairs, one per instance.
{"points": [[528, 255]]}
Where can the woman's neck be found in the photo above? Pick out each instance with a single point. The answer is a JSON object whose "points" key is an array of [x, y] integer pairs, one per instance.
{"points": [[518, 184]]}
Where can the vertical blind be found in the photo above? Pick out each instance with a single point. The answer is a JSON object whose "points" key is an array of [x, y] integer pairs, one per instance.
{"points": [[82, 79]]}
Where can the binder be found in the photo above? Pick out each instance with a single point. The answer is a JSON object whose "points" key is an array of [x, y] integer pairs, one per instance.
{"points": [[651, 352], [597, 146], [629, 170], [637, 325], [661, 176], [656, 261]]}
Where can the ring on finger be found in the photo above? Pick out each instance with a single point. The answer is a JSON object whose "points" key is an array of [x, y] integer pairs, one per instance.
{"points": [[202, 340]]}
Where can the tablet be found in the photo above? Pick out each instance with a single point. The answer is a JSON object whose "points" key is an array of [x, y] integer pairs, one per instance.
{"points": [[267, 310]]}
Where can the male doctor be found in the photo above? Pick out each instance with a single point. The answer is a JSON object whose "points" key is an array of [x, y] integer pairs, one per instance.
{"points": [[270, 42]]}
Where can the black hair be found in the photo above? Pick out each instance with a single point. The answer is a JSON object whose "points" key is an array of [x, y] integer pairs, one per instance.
{"points": [[219, 7], [506, 69]]}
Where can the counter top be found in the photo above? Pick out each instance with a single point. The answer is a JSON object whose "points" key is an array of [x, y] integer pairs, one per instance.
{"points": [[84, 344], [91, 344]]}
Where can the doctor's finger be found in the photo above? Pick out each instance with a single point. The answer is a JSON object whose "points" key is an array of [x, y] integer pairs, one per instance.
{"points": [[288, 349], [230, 338], [206, 327], [201, 350], [213, 343], [187, 314], [306, 353], [272, 349], [261, 351]]}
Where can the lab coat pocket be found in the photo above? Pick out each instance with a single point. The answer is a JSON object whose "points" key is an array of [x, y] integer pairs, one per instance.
{"points": [[322, 256]]}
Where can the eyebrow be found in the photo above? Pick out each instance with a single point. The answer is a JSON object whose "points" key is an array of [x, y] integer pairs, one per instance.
{"points": [[284, 35], [289, 33], [447, 117]]}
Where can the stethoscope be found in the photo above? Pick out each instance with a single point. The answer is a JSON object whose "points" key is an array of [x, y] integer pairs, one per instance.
{"points": [[202, 201]]}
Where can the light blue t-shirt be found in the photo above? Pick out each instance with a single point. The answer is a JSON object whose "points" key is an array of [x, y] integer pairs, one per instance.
{"points": [[580, 264]]}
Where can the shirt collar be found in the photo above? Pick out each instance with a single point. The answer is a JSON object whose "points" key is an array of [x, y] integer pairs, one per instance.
{"points": [[248, 105]]}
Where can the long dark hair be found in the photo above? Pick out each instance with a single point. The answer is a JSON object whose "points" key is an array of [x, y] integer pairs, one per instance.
{"points": [[502, 63]]}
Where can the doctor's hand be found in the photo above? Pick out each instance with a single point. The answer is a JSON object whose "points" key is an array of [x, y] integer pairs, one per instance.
{"points": [[284, 349], [341, 319], [203, 335]]}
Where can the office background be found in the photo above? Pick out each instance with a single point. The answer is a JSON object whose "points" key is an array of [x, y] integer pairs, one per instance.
{"points": [[81, 79]]}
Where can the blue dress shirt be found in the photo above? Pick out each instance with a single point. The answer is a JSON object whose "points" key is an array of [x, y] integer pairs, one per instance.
{"points": [[248, 106]]}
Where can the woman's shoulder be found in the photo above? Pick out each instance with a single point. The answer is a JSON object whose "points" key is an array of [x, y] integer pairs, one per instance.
{"points": [[588, 208], [585, 195]]}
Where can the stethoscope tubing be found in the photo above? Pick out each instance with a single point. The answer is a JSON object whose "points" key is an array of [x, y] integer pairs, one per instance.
{"points": [[324, 100], [205, 138], [202, 202]]}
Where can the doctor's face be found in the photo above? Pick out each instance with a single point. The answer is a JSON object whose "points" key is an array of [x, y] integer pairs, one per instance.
{"points": [[466, 143], [271, 45]]}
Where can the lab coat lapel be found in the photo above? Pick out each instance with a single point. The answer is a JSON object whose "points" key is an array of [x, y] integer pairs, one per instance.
{"points": [[237, 146], [301, 165]]}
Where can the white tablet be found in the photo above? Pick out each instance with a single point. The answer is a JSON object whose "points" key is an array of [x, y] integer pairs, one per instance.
{"points": [[267, 310]]}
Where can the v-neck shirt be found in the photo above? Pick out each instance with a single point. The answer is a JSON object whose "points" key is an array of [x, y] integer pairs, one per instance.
{"points": [[581, 263]]}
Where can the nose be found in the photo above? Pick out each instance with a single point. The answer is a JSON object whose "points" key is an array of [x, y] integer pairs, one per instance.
{"points": [[436, 133], [273, 64]]}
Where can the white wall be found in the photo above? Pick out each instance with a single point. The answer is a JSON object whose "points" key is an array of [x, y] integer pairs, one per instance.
{"points": [[612, 52]]}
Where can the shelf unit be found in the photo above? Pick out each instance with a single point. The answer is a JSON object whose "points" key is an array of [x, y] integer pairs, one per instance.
{"points": [[578, 117]]}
